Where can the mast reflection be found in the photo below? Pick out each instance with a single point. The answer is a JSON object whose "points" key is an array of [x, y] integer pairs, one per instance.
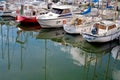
{"points": [[23, 33], [2, 39]]}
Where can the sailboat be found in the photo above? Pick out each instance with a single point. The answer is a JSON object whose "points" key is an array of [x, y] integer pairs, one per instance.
{"points": [[28, 13], [103, 31], [80, 22]]}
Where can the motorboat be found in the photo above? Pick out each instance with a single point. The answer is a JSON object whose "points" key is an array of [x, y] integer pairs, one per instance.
{"points": [[103, 31], [59, 15], [80, 22]]}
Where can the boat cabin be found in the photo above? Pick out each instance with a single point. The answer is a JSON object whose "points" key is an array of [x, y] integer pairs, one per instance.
{"points": [[103, 27], [61, 9], [28, 7]]}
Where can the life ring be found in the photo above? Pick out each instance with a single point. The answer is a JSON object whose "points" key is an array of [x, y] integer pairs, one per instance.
{"points": [[64, 21]]}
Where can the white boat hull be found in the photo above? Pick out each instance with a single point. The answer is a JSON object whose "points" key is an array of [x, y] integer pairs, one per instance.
{"points": [[71, 29], [91, 38], [53, 23], [86, 25]]}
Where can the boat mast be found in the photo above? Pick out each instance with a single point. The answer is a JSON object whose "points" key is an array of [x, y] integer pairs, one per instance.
{"points": [[45, 67], [90, 3], [115, 10], [108, 2], [102, 9]]}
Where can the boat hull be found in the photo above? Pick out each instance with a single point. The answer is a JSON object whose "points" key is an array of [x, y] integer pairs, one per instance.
{"points": [[77, 28], [107, 38], [53, 23], [71, 29], [23, 19]]}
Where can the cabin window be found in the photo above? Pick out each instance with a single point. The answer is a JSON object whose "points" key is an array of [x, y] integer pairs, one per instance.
{"points": [[66, 11], [111, 27], [57, 11], [98, 28], [101, 26], [101, 29], [1, 7], [30, 7]]}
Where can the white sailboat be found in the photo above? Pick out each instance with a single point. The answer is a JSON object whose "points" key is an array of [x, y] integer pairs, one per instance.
{"points": [[103, 31], [80, 22]]}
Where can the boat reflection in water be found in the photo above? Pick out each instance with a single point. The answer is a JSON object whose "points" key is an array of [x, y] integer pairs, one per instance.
{"points": [[96, 55], [51, 54], [5, 40], [93, 60], [116, 55], [25, 31]]}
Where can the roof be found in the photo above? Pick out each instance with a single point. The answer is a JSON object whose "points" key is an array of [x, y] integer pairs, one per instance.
{"points": [[62, 6]]}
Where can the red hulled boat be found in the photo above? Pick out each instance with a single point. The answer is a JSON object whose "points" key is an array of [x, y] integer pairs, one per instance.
{"points": [[25, 19]]}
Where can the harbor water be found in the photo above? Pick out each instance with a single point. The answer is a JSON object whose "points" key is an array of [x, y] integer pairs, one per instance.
{"points": [[30, 53]]}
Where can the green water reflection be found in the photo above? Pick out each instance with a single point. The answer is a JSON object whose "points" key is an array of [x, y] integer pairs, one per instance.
{"points": [[51, 54]]}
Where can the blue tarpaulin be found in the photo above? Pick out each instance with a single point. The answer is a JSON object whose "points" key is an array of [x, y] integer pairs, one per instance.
{"points": [[86, 11], [95, 1]]}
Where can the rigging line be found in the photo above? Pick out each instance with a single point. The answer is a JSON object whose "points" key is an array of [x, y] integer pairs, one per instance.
{"points": [[8, 49], [94, 73], [107, 68], [21, 58], [45, 59]]}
